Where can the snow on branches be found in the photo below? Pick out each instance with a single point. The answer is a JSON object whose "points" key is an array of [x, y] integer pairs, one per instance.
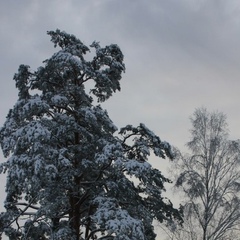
{"points": [[68, 171]]}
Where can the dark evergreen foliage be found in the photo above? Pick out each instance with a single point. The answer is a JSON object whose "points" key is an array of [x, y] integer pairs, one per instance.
{"points": [[68, 172]]}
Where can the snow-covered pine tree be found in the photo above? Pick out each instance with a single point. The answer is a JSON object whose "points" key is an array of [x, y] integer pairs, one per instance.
{"points": [[68, 175]]}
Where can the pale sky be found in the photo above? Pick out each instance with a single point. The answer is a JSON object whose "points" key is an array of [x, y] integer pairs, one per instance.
{"points": [[179, 55]]}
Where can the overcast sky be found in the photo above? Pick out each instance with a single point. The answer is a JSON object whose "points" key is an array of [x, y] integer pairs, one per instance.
{"points": [[179, 55]]}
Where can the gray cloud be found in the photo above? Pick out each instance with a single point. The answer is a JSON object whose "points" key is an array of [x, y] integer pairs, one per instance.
{"points": [[179, 54]]}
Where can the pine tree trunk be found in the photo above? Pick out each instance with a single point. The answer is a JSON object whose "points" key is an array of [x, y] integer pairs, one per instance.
{"points": [[75, 216], [75, 204]]}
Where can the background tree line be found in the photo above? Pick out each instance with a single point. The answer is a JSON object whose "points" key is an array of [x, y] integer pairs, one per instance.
{"points": [[208, 179]]}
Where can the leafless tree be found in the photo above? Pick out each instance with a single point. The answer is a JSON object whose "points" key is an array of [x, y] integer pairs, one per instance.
{"points": [[209, 179]]}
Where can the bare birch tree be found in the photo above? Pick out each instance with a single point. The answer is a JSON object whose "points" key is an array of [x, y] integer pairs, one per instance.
{"points": [[209, 179]]}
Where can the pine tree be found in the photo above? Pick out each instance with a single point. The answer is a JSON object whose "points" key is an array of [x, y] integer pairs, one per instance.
{"points": [[69, 175]]}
